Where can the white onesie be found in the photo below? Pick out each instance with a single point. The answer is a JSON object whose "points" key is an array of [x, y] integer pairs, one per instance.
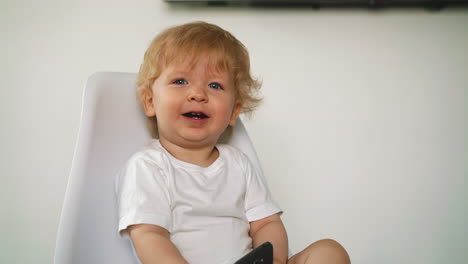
{"points": [[206, 210]]}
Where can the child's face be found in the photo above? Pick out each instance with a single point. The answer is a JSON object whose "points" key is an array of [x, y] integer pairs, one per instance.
{"points": [[193, 106]]}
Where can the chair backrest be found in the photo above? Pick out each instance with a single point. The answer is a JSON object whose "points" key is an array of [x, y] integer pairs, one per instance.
{"points": [[112, 128]]}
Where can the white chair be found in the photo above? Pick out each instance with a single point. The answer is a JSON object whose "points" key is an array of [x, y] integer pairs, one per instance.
{"points": [[112, 128]]}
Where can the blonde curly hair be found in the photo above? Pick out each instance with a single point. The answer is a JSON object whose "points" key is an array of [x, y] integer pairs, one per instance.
{"points": [[187, 43]]}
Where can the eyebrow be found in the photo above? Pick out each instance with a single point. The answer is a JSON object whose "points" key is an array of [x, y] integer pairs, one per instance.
{"points": [[210, 73], [176, 72]]}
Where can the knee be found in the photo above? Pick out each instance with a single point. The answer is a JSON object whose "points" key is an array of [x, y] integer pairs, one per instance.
{"points": [[330, 250], [328, 243]]}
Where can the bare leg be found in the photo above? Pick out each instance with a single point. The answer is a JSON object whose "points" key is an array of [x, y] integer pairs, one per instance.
{"points": [[326, 251]]}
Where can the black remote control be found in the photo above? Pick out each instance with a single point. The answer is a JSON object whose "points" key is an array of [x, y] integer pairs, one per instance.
{"points": [[263, 254]]}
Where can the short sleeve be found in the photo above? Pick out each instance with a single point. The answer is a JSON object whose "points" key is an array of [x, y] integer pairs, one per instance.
{"points": [[142, 195], [258, 200]]}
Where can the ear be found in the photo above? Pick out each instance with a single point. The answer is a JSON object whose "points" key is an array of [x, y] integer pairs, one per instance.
{"points": [[147, 98], [235, 113]]}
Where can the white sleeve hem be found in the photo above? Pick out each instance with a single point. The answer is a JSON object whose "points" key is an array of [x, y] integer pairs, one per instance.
{"points": [[133, 219], [262, 211]]}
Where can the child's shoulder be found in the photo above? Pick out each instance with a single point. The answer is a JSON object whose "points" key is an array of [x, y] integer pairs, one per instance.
{"points": [[234, 153], [230, 149], [152, 153]]}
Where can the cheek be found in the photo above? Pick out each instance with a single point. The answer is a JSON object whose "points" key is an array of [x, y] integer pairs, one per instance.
{"points": [[226, 109], [164, 102]]}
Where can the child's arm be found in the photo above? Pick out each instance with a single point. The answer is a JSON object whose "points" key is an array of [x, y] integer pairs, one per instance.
{"points": [[153, 246], [271, 229]]}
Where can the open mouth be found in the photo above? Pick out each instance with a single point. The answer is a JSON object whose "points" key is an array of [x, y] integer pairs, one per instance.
{"points": [[195, 115]]}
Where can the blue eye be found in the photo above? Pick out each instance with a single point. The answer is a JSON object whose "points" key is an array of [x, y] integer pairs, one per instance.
{"points": [[180, 81], [216, 86]]}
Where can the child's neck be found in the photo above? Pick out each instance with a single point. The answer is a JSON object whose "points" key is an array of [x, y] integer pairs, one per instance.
{"points": [[202, 156]]}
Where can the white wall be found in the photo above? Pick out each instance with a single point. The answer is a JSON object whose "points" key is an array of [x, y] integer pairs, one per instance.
{"points": [[362, 134]]}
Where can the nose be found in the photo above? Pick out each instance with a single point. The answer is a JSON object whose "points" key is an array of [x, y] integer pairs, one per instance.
{"points": [[197, 93]]}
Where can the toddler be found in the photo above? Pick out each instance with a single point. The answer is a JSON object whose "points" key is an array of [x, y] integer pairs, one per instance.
{"points": [[186, 198]]}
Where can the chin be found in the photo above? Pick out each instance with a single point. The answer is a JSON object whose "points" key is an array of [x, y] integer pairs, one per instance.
{"points": [[193, 141]]}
